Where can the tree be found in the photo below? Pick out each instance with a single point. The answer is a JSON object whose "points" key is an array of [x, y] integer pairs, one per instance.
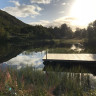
{"points": [[80, 33], [65, 31], [3, 34], [91, 29]]}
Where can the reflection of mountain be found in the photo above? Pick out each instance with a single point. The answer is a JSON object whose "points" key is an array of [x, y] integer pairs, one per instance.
{"points": [[8, 51]]}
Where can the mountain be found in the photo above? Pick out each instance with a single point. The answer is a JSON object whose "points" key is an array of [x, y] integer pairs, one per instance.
{"points": [[9, 20], [10, 26], [12, 29]]}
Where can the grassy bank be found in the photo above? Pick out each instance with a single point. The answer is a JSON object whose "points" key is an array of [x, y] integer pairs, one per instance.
{"points": [[30, 82], [69, 41]]}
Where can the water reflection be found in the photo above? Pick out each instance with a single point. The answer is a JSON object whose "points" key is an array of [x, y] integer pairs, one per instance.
{"points": [[71, 67], [15, 56], [76, 82], [11, 50], [79, 76], [8, 51], [22, 60], [77, 47]]}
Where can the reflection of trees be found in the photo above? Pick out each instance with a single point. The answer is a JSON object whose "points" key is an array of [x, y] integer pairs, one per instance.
{"points": [[73, 84], [73, 81], [8, 51], [85, 82], [74, 67]]}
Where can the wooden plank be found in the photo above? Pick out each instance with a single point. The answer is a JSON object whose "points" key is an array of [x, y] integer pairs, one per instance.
{"points": [[77, 57]]}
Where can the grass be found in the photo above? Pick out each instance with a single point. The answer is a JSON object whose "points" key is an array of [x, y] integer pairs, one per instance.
{"points": [[61, 50], [57, 45], [68, 41], [32, 82]]}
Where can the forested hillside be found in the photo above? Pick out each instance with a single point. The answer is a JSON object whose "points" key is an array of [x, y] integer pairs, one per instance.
{"points": [[14, 29], [9, 25]]}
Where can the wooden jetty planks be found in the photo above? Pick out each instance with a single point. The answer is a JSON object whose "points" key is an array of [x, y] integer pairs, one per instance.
{"points": [[77, 57]]}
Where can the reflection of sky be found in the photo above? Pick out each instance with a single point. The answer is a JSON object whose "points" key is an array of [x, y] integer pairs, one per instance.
{"points": [[92, 81], [77, 48], [22, 60]]}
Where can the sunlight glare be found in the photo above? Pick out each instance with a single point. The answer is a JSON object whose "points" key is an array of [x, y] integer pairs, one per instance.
{"points": [[84, 11]]}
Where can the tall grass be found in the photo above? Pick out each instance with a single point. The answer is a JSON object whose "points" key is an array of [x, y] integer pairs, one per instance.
{"points": [[31, 82]]}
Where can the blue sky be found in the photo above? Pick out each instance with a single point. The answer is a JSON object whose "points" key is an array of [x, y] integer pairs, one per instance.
{"points": [[52, 12]]}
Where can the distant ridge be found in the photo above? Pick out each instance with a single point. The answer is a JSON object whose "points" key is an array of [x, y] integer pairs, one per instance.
{"points": [[6, 18], [10, 26]]}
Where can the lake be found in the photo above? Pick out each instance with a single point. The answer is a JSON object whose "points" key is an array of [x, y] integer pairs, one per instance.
{"points": [[19, 56]]}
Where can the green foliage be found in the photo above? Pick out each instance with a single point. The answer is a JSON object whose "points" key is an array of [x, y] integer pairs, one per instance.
{"points": [[40, 92], [13, 29], [36, 32], [61, 32], [92, 33], [80, 33], [32, 82], [9, 26], [65, 31], [88, 34]]}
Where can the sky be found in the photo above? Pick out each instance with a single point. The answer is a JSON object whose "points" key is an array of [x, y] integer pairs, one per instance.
{"points": [[75, 13]]}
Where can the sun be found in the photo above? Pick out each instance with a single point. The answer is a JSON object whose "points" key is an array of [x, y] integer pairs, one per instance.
{"points": [[84, 11]]}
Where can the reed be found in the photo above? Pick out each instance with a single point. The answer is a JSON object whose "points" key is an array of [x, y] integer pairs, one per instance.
{"points": [[32, 82]]}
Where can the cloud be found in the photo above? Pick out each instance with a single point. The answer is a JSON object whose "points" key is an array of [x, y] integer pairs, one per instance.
{"points": [[23, 10], [15, 2], [57, 22], [68, 20], [41, 1], [61, 12], [41, 22], [64, 3], [62, 20]]}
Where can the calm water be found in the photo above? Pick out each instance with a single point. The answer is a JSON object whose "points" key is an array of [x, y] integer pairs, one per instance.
{"points": [[23, 59], [16, 57]]}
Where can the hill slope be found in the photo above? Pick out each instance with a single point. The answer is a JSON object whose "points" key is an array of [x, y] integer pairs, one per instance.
{"points": [[13, 29], [9, 26], [7, 19]]}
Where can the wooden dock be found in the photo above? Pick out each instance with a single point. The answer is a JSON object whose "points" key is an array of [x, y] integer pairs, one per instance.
{"points": [[69, 59], [77, 57]]}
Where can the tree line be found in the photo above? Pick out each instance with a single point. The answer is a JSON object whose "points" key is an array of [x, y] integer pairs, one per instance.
{"points": [[89, 34], [40, 32], [14, 29]]}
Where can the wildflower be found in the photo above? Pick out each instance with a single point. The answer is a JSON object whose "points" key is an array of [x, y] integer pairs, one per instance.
{"points": [[8, 79]]}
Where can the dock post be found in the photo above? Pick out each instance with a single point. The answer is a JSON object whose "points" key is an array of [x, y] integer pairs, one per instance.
{"points": [[46, 54]]}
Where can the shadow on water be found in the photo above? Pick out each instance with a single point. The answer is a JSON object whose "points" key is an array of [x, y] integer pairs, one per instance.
{"points": [[76, 77], [74, 68], [8, 51]]}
